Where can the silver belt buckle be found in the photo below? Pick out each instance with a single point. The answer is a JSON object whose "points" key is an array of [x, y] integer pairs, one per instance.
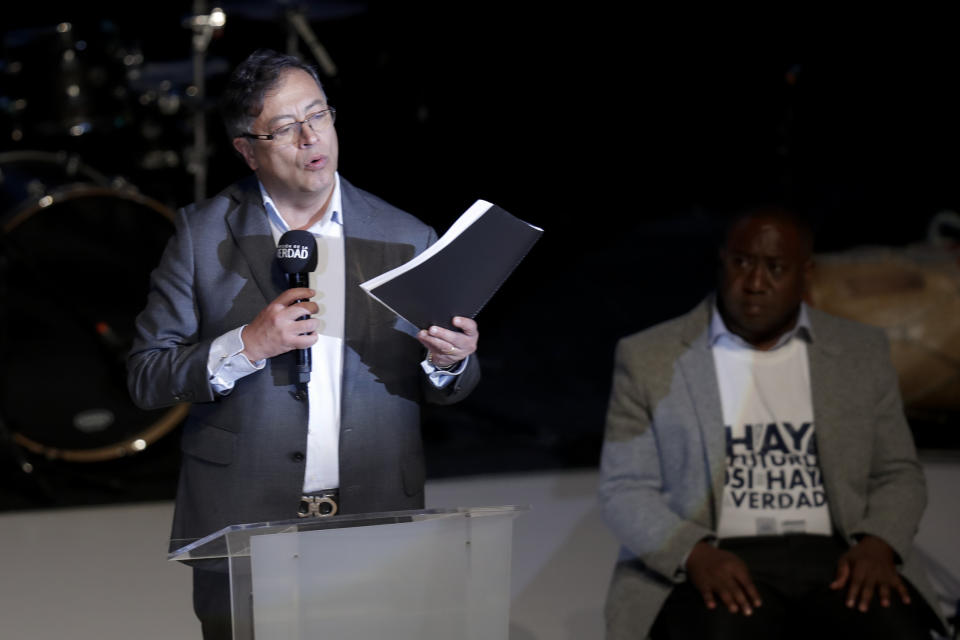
{"points": [[315, 506]]}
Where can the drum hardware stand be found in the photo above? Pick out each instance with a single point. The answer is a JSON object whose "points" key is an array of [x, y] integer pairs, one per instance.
{"points": [[204, 26], [15, 464], [297, 26]]}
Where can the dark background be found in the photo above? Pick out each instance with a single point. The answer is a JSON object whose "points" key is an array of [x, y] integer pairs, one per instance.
{"points": [[628, 146]]}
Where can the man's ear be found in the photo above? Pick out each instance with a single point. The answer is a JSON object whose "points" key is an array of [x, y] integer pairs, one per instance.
{"points": [[245, 149]]}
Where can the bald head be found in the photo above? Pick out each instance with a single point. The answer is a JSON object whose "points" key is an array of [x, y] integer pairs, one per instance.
{"points": [[774, 213]]}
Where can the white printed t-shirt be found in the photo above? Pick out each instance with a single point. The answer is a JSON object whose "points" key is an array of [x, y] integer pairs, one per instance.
{"points": [[773, 483]]}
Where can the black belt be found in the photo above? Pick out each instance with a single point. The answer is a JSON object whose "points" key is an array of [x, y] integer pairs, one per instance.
{"points": [[321, 504]]}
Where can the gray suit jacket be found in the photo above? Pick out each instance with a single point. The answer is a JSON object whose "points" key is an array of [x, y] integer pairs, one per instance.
{"points": [[663, 460], [244, 452]]}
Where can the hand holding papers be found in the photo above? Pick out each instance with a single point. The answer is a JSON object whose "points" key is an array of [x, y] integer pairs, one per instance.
{"points": [[459, 273]]}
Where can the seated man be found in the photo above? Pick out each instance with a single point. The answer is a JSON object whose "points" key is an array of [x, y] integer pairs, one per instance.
{"points": [[757, 467]]}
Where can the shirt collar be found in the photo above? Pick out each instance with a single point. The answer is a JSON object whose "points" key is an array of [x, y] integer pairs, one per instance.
{"points": [[335, 209], [718, 330]]}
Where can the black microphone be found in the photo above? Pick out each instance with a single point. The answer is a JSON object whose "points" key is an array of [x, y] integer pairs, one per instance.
{"points": [[297, 255]]}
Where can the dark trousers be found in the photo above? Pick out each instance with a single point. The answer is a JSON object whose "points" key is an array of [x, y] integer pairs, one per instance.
{"points": [[792, 574], [211, 603]]}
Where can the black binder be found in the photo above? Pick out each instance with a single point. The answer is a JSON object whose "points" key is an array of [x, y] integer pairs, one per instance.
{"points": [[459, 273]]}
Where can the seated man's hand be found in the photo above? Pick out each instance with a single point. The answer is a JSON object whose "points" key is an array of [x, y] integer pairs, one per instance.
{"points": [[450, 347], [720, 574], [868, 567]]}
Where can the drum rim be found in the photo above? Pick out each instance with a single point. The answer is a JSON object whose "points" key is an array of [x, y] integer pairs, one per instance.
{"points": [[126, 447], [139, 441], [74, 190]]}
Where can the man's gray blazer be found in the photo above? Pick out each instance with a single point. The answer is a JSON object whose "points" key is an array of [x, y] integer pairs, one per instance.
{"points": [[244, 453], [663, 459]]}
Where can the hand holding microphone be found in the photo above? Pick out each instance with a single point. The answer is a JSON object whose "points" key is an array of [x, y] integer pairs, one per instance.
{"points": [[284, 324]]}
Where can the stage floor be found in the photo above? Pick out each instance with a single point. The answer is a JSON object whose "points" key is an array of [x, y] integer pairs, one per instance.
{"points": [[100, 573]]}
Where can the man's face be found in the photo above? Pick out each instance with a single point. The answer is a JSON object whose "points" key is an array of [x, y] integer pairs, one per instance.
{"points": [[302, 169], [765, 268]]}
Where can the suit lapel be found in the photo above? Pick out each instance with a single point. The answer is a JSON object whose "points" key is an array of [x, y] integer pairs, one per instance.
{"points": [[825, 377], [701, 377], [251, 233], [359, 265]]}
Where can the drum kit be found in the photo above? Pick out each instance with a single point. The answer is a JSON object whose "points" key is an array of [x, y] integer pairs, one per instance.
{"points": [[77, 243]]}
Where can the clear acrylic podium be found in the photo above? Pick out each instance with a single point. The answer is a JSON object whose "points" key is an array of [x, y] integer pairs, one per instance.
{"points": [[435, 574]]}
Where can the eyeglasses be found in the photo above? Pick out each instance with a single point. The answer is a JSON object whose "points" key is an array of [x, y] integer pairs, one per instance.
{"points": [[318, 122]]}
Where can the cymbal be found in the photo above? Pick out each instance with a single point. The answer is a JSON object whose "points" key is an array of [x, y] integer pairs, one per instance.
{"points": [[177, 72]]}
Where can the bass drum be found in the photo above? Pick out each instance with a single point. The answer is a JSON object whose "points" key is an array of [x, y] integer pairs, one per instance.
{"points": [[75, 259]]}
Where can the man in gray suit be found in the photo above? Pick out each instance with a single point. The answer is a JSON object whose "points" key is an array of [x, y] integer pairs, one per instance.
{"points": [[221, 330], [757, 467]]}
